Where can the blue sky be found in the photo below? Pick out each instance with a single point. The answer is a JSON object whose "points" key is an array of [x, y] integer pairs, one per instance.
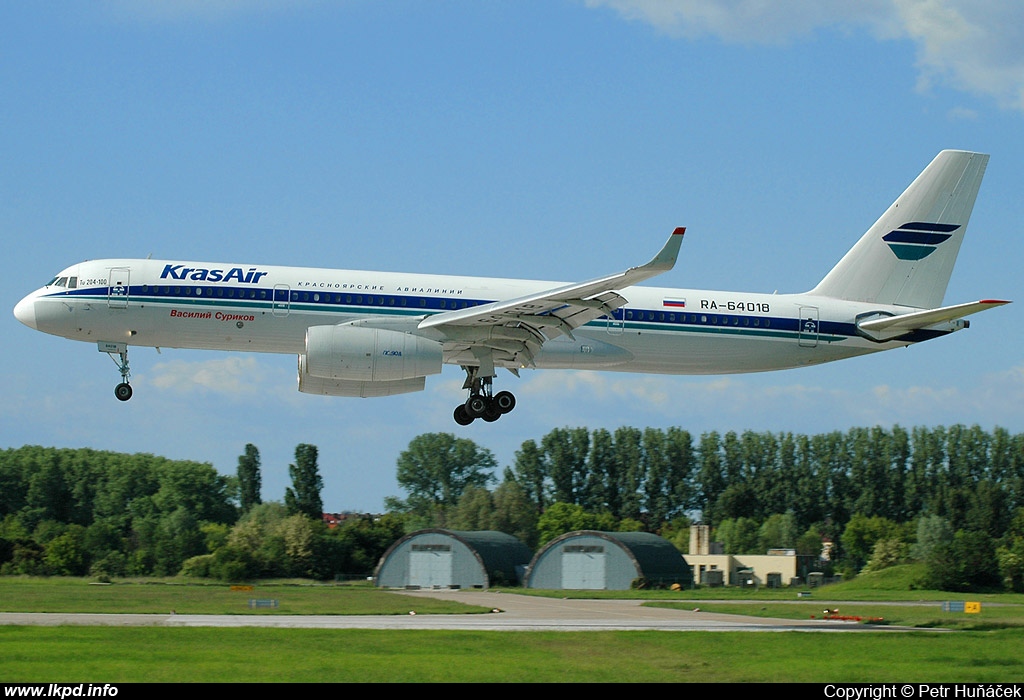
{"points": [[555, 140]]}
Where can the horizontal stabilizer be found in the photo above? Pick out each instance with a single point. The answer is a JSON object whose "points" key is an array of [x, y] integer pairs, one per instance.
{"points": [[889, 327]]}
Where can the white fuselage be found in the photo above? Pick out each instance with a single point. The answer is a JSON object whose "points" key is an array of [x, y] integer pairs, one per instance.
{"points": [[257, 308]]}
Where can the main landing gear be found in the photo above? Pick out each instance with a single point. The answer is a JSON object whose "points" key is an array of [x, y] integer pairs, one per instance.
{"points": [[481, 402]]}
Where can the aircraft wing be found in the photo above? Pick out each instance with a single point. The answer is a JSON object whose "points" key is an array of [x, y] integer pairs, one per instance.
{"points": [[889, 327], [523, 324]]}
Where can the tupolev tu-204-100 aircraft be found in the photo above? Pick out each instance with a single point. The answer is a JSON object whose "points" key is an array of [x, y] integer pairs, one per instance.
{"points": [[359, 333]]}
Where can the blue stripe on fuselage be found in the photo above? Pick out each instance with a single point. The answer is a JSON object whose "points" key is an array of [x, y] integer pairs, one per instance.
{"points": [[633, 318]]}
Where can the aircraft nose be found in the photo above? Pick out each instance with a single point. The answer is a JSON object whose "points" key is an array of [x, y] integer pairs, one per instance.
{"points": [[25, 311]]}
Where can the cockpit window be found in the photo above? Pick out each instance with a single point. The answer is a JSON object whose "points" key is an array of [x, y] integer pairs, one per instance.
{"points": [[68, 282]]}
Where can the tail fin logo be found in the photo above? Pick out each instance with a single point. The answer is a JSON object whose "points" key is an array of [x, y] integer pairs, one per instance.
{"points": [[917, 240]]}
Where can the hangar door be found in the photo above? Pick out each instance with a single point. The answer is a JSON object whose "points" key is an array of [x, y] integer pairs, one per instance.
{"points": [[430, 565], [583, 567]]}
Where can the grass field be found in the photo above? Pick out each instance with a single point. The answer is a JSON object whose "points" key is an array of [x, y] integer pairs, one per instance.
{"points": [[987, 647], [163, 596]]}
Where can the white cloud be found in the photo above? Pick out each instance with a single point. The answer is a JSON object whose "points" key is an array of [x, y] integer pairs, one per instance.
{"points": [[233, 375], [768, 402], [648, 390], [968, 45], [750, 21]]}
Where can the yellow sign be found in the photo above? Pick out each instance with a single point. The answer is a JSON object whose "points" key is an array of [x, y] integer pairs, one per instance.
{"points": [[241, 588], [970, 607]]}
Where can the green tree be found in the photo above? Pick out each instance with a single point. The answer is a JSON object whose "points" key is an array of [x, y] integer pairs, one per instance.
{"points": [[304, 496], [177, 537], [561, 518], [679, 479], [254, 548], [249, 479], [65, 555], [967, 563], [657, 490], [565, 453], [531, 472], [602, 488], [887, 552], [932, 531], [861, 534], [299, 535], [737, 500], [437, 468], [514, 514], [738, 536], [810, 543], [474, 511], [628, 450], [1011, 564], [364, 540], [778, 531], [710, 477]]}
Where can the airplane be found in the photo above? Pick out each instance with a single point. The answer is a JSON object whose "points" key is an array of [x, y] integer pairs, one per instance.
{"points": [[369, 334]]}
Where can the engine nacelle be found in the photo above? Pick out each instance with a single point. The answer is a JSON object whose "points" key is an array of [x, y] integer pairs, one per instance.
{"points": [[308, 384], [360, 354]]}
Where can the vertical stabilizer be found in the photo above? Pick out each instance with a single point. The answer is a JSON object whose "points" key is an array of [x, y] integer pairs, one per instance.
{"points": [[907, 256]]}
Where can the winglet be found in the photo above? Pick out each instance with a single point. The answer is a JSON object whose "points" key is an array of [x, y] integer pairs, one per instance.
{"points": [[666, 258]]}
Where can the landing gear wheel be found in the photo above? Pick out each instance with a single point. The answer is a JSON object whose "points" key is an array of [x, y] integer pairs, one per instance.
{"points": [[123, 391], [492, 413], [462, 416], [476, 406], [504, 401]]}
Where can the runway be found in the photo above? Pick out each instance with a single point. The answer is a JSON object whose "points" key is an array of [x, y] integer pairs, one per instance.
{"points": [[510, 613]]}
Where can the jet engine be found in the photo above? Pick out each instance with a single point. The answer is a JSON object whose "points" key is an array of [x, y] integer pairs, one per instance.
{"points": [[348, 360]]}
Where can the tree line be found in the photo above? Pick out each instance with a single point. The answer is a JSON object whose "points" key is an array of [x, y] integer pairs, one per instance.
{"points": [[949, 497], [87, 512]]}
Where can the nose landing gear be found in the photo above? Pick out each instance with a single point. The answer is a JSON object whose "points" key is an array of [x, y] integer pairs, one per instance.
{"points": [[481, 402], [122, 391]]}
